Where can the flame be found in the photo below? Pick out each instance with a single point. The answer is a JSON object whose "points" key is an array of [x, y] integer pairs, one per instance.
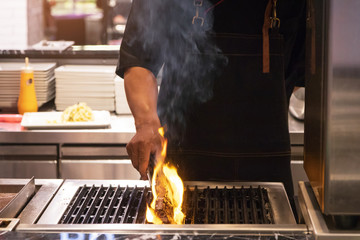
{"points": [[167, 183]]}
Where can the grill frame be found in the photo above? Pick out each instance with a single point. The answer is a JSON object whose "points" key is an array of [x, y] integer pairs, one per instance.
{"points": [[281, 208]]}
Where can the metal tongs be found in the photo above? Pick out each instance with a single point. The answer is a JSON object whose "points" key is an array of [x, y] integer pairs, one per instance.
{"points": [[150, 169]]}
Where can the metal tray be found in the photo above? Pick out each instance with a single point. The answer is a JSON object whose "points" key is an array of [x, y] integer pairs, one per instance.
{"points": [[23, 195]]}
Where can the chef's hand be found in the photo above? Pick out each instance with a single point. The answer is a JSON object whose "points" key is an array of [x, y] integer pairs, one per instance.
{"points": [[146, 141], [141, 93]]}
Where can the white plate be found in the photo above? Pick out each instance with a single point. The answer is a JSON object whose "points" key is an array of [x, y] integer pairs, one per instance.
{"points": [[45, 45], [45, 120], [85, 94], [84, 79], [86, 89], [86, 69], [6, 67]]}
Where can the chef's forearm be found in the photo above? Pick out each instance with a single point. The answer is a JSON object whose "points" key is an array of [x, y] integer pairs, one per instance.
{"points": [[141, 93]]}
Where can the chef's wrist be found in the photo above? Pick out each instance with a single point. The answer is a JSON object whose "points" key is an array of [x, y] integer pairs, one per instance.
{"points": [[147, 122]]}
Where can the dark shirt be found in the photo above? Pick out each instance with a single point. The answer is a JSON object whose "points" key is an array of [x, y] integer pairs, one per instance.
{"points": [[157, 30]]}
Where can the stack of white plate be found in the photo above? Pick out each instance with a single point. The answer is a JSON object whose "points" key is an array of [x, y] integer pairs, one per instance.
{"points": [[10, 83], [92, 84], [121, 104]]}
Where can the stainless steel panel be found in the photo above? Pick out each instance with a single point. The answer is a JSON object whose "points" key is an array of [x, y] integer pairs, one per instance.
{"points": [[121, 131], [297, 152], [28, 150], [94, 151], [98, 169], [316, 220], [298, 174], [28, 168], [278, 199], [332, 121], [342, 178], [112, 136], [296, 129], [316, 56], [18, 202], [280, 231], [46, 190]]}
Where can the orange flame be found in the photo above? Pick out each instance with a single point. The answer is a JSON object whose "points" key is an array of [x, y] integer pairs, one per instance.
{"points": [[166, 182]]}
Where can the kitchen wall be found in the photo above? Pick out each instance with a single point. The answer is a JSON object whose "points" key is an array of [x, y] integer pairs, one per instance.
{"points": [[21, 23]]}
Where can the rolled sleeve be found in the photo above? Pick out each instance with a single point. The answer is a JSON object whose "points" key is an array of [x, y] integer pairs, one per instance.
{"points": [[143, 38]]}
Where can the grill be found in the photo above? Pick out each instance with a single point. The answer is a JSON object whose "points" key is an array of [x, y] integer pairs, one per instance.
{"points": [[107, 205], [227, 206], [91, 205]]}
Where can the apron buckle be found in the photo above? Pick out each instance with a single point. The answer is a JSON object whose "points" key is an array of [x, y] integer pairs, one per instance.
{"points": [[275, 23], [198, 19], [198, 3], [274, 20]]}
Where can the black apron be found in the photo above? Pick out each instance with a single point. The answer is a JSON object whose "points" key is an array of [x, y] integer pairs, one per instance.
{"points": [[241, 133]]}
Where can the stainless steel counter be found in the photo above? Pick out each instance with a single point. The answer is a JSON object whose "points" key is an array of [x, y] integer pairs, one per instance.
{"points": [[86, 153], [45, 191], [121, 131], [322, 226]]}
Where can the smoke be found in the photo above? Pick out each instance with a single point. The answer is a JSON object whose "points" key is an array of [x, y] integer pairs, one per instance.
{"points": [[191, 58]]}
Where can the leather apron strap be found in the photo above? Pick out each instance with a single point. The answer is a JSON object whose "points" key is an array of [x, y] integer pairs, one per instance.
{"points": [[270, 22]]}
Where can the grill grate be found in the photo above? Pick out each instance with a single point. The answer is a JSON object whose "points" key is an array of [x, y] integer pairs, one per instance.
{"points": [[107, 205], [92, 205], [227, 206]]}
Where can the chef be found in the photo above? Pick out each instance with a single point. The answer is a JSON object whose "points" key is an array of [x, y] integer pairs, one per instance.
{"points": [[228, 69]]}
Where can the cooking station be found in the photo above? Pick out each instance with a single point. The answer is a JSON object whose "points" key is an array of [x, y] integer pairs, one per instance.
{"points": [[96, 202], [327, 204], [118, 206]]}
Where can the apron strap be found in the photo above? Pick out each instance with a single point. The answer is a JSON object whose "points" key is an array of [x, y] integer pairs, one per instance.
{"points": [[272, 22], [198, 18]]}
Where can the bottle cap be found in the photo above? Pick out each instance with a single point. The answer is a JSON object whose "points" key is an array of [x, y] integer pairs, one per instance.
{"points": [[27, 67]]}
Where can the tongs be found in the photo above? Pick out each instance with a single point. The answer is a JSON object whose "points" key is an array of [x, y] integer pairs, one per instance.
{"points": [[150, 169]]}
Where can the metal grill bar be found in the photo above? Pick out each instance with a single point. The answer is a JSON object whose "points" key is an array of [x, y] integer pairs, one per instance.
{"points": [[262, 205], [127, 206], [253, 206], [111, 208], [119, 206], [236, 209], [101, 207], [84, 206], [78, 196], [93, 204], [140, 207], [244, 206], [226, 207], [207, 194]]}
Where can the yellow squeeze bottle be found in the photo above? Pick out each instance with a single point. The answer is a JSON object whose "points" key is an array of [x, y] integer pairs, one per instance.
{"points": [[27, 99]]}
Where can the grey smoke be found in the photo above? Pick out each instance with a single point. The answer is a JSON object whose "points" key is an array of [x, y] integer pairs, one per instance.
{"points": [[191, 59]]}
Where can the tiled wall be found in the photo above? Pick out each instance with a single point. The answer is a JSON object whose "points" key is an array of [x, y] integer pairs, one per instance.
{"points": [[35, 21], [15, 17]]}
